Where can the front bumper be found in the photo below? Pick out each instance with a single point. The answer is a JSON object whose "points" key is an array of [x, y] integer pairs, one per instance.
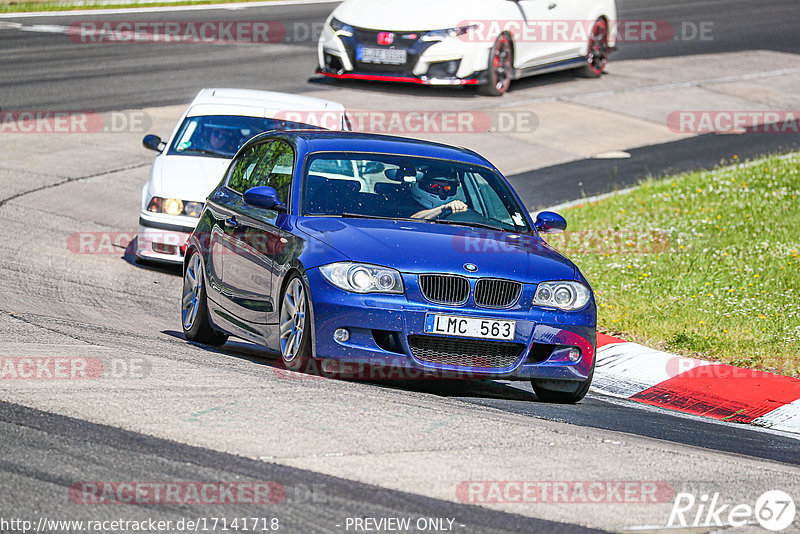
{"points": [[404, 78], [383, 329], [450, 62], [162, 238]]}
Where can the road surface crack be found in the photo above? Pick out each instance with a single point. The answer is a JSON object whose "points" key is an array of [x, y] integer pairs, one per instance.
{"points": [[5, 201]]}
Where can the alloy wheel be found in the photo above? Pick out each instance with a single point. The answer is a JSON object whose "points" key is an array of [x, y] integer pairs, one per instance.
{"points": [[192, 287], [501, 63], [292, 320], [598, 47]]}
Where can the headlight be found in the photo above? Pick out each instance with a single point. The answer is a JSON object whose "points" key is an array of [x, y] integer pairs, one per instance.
{"points": [[340, 28], [362, 278], [441, 35], [174, 206], [192, 209], [568, 296]]}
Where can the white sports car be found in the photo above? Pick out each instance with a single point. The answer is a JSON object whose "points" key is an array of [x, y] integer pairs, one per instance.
{"points": [[486, 43], [194, 158]]}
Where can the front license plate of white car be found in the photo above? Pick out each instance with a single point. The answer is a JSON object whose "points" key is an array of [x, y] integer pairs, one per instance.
{"points": [[387, 56], [453, 325]]}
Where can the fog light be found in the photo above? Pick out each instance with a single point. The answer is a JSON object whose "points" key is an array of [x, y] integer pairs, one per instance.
{"points": [[163, 248], [341, 335], [443, 69], [574, 354]]}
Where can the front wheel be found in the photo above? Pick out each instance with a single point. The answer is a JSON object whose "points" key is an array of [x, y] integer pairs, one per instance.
{"points": [[562, 391], [295, 326], [194, 307], [501, 68], [597, 55]]}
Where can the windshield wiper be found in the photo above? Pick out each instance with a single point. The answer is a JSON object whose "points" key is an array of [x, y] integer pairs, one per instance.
{"points": [[206, 151], [347, 215], [467, 223]]}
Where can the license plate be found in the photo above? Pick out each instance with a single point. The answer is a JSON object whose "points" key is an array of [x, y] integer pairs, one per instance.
{"points": [[386, 56], [453, 325]]}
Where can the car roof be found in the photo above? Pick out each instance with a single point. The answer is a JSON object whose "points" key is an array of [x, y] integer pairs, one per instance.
{"points": [[336, 141], [254, 103]]}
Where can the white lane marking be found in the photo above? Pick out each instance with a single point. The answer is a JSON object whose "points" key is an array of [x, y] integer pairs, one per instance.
{"points": [[657, 87], [10, 25], [45, 28], [163, 9], [613, 154]]}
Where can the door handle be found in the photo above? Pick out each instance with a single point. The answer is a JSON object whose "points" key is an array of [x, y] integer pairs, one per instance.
{"points": [[230, 222], [551, 5]]}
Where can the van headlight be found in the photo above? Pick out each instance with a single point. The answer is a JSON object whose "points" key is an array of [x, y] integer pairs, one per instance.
{"points": [[564, 295], [363, 278]]}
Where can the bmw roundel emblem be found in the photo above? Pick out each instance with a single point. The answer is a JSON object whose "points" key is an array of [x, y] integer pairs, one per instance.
{"points": [[471, 267]]}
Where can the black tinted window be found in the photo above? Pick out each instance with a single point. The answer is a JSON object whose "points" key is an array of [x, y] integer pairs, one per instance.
{"points": [[222, 135], [275, 169], [243, 168]]}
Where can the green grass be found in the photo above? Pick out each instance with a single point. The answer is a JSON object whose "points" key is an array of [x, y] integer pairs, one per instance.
{"points": [[25, 7], [703, 264]]}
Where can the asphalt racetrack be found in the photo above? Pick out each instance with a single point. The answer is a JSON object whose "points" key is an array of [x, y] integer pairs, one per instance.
{"points": [[341, 449]]}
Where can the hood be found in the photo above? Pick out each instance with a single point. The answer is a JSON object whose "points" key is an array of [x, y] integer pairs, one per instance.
{"points": [[412, 247], [188, 177], [414, 15]]}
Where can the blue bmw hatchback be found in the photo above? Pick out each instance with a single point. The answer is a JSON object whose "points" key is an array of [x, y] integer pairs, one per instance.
{"points": [[385, 251]]}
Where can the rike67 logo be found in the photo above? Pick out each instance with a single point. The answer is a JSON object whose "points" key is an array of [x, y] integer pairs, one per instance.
{"points": [[774, 510]]}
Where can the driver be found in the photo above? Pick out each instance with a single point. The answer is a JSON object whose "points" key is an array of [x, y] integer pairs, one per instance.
{"points": [[221, 139], [434, 188]]}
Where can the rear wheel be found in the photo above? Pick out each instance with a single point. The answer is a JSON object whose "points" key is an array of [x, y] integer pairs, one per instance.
{"points": [[295, 326], [597, 56], [501, 68], [194, 307]]}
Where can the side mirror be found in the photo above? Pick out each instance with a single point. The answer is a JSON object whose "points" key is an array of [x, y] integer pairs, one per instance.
{"points": [[264, 197], [153, 142], [548, 222]]}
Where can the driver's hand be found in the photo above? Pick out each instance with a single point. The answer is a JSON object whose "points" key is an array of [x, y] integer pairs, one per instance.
{"points": [[455, 206]]}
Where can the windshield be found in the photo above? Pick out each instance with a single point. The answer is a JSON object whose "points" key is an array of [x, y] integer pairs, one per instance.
{"points": [[405, 187], [222, 135]]}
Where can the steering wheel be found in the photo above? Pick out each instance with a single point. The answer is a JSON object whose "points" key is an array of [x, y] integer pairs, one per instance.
{"points": [[467, 216]]}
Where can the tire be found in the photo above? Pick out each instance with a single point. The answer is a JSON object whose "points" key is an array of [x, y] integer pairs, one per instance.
{"points": [[194, 307], [547, 393], [597, 55], [501, 68], [294, 327]]}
